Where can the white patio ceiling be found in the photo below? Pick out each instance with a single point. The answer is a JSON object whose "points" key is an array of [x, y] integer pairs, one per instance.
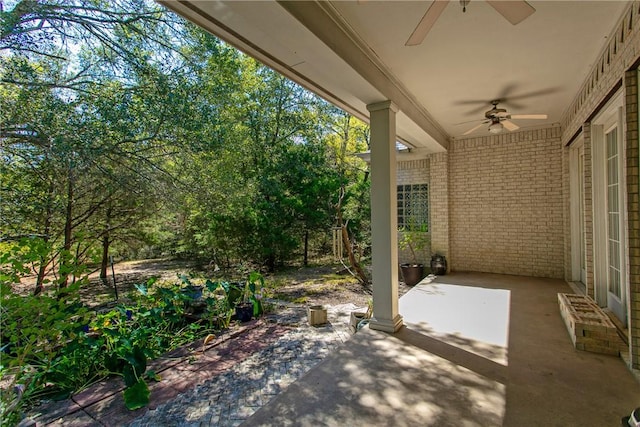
{"points": [[353, 53]]}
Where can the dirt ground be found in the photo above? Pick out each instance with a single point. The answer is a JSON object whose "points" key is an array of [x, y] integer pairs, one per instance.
{"points": [[127, 274], [327, 284]]}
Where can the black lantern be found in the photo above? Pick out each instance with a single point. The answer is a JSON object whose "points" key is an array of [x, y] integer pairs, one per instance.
{"points": [[438, 265]]}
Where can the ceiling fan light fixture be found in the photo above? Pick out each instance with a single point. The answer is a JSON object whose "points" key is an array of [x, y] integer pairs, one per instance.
{"points": [[496, 127], [498, 119]]}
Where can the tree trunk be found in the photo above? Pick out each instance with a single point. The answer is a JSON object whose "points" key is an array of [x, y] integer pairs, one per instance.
{"points": [[306, 248], [40, 280], [360, 274], [346, 241], [104, 264], [68, 229], [42, 270], [271, 263], [105, 246]]}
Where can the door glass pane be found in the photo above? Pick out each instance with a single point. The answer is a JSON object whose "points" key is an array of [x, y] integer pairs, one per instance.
{"points": [[614, 219], [613, 213], [583, 255]]}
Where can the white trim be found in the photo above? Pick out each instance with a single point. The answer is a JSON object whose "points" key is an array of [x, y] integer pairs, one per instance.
{"points": [[611, 117], [576, 186], [625, 279]]}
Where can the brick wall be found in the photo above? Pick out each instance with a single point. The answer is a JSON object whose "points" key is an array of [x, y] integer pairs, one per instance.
{"points": [[439, 204], [614, 67], [588, 209], [412, 172], [506, 204], [632, 153]]}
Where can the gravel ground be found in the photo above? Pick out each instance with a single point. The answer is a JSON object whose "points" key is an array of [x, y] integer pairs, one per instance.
{"points": [[230, 398]]}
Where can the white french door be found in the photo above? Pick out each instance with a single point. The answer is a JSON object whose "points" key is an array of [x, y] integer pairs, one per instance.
{"points": [[615, 225], [609, 219]]}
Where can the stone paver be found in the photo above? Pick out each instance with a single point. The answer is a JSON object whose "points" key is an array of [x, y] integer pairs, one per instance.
{"points": [[229, 397]]}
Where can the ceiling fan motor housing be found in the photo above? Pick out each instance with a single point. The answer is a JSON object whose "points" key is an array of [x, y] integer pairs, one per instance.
{"points": [[494, 112], [498, 119]]}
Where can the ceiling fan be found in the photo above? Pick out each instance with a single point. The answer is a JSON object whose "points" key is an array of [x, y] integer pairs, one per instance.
{"points": [[514, 11], [499, 119]]}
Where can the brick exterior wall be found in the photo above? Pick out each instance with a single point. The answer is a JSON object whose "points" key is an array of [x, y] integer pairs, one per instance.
{"points": [[588, 209], [506, 204], [632, 153], [439, 205], [412, 172], [616, 63]]}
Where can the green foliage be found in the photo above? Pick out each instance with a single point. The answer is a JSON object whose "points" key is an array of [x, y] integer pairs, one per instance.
{"points": [[253, 292], [53, 346], [137, 395], [153, 137], [416, 239], [39, 343], [19, 258]]}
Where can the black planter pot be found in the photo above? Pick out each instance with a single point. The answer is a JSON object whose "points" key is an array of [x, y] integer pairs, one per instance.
{"points": [[244, 311], [439, 265], [195, 304], [193, 292], [412, 274]]}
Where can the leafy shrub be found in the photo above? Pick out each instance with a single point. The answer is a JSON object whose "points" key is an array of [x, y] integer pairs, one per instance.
{"points": [[53, 346], [39, 335]]}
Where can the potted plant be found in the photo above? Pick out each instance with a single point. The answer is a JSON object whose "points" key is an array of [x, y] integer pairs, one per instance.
{"points": [[416, 240], [192, 296], [250, 303], [360, 318], [244, 311], [219, 307]]}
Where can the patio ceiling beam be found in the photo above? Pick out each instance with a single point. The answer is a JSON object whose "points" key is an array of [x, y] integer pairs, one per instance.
{"points": [[325, 22]]}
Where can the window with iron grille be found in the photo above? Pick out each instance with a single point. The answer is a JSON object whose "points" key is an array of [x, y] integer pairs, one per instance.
{"points": [[413, 206]]}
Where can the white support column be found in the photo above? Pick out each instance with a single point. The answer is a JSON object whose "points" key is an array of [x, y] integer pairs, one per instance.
{"points": [[384, 221]]}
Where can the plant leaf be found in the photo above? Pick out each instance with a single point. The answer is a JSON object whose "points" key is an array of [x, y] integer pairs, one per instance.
{"points": [[142, 289], [137, 396], [211, 286], [129, 375], [152, 376], [209, 338]]}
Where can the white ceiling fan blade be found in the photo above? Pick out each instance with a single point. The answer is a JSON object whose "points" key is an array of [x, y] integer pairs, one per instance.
{"points": [[510, 126], [513, 11], [427, 21], [473, 129], [528, 116]]}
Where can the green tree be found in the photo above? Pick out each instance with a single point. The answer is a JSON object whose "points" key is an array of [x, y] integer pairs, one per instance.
{"points": [[84, 122], [345, 137], [127, 124]]}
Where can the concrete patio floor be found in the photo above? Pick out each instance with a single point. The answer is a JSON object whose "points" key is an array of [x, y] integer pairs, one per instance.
{"points": [[476, 350]]}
